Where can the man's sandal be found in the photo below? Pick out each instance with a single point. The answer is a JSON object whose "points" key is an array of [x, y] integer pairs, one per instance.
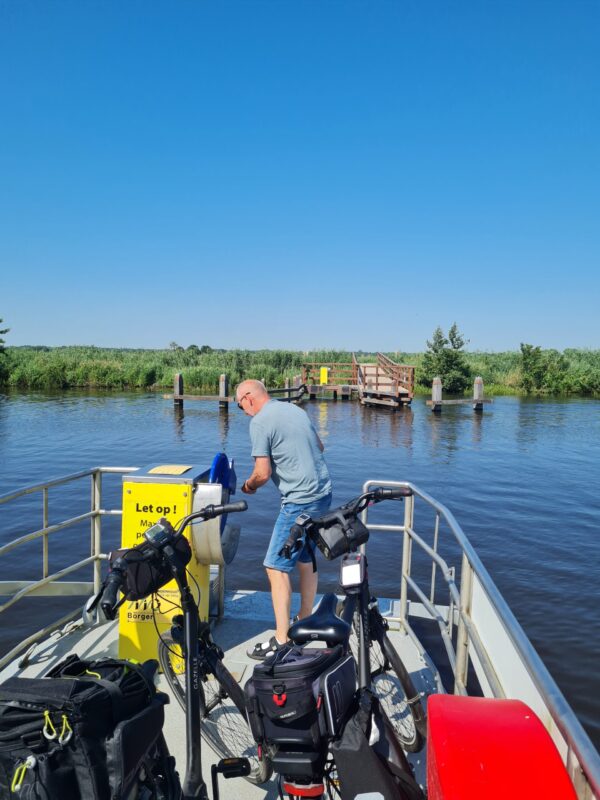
{"points": [[263, 650]]}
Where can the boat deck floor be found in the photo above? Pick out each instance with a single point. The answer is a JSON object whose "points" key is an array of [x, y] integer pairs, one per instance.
{"points": [[247, 619]]}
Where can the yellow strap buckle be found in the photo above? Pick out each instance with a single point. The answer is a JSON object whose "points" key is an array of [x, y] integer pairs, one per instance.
{"points": [[66, 731], [49, 730], [20, 772]]}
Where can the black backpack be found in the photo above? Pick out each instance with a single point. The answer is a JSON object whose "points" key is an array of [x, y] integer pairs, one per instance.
{"points": [[87, 731]]}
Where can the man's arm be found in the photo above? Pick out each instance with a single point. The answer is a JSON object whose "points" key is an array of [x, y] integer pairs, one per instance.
{"points": [[260, 475]]}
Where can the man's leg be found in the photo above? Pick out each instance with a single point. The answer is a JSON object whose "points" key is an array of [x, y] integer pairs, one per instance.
{"points": [[281, 595], [308, 588]]}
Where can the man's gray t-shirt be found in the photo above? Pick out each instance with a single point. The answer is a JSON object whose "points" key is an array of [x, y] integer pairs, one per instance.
{"points": [[284, 433]]}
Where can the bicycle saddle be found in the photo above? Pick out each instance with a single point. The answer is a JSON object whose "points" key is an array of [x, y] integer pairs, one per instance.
{"points": [[322, 626]]}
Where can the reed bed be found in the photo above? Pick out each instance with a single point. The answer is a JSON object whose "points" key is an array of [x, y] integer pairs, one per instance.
{"points": [[570, 372]]}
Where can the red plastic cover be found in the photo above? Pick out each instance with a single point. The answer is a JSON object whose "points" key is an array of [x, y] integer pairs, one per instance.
{"points": [[486, 749]]}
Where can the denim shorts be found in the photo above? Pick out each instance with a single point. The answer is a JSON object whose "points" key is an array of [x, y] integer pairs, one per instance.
{"points": [[281, 531]]}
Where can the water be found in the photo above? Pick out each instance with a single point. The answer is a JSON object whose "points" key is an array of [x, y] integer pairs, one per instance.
{"points": [[521, 479]]}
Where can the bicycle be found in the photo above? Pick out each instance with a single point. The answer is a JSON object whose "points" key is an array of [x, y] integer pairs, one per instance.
{"points": [[399, 698], [143, 570], [304, 706]]}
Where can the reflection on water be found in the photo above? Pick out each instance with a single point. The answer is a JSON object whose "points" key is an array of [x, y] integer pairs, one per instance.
{"points": [[383, 427], [477, 428], [521, 478], [178, 419], [224, 427]]}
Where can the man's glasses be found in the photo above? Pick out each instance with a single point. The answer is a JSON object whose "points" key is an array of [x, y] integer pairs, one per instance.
{"points": [[241, 400]]}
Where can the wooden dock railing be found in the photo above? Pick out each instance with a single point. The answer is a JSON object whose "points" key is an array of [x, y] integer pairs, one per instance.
{"points": [[402, 374], [339, 373]]}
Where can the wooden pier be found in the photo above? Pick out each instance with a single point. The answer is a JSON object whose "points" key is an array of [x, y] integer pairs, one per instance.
{"points": [[383, 383], [292, 394]]}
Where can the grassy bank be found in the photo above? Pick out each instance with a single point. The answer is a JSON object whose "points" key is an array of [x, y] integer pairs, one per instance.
{"points": [[572, 372]]}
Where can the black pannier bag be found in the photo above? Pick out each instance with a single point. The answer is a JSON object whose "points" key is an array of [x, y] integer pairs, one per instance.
{"points": [[83, 732], [368, 756], [298, 698]]}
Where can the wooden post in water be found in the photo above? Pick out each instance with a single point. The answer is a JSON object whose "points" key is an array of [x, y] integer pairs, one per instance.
{"points": [[478, 394], [436, 395], [178, 390], [297, 381], [224, 393]]}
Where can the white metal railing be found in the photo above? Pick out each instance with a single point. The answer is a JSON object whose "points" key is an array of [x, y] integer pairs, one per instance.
{"points": [[487, 634], [52, 584]]}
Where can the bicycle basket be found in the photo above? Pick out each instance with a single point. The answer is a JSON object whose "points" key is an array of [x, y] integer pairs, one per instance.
{"points": [[144, 577], [341, 537]]}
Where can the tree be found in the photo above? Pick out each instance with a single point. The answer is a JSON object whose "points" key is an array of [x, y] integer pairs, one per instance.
{"points": [[543, 370], [533, 368], [444, 359], [2, 332], [2, 353]]}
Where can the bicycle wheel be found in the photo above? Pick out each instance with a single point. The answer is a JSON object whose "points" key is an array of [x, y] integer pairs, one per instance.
{"points": [[392, 685], [224, 724]]}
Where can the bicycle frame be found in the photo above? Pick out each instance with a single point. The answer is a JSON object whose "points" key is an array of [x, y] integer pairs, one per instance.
{"points": [[359, 597], [193, 784]]}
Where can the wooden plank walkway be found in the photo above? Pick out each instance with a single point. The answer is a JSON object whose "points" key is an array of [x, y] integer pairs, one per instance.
{"points": [[385, 383]]}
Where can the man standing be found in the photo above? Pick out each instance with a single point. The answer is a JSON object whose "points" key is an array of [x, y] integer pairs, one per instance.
{"points": [[286, 448]]}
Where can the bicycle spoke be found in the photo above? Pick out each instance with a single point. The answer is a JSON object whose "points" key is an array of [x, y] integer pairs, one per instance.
{"points": [[388, 688], [223, 726]]}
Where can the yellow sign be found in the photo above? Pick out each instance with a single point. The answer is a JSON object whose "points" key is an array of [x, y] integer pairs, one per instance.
{"points": [[324, 376], [143, 505]]}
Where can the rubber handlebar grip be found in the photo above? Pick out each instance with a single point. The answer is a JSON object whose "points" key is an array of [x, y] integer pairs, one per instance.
{"points": [[109, 595], [233, 508], [393, 493]]}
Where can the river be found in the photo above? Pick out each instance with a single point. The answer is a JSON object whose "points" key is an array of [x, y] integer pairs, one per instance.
{"points": [[521, 479]]}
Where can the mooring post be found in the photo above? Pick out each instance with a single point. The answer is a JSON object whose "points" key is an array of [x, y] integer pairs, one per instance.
{"points": [[224, 392], [297, 381], [178, 391], [478, 394], [436, 395]]}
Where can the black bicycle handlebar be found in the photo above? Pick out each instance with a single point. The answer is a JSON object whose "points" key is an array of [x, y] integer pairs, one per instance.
{"points": [[212, 511], [393, 493], [348, 511]]}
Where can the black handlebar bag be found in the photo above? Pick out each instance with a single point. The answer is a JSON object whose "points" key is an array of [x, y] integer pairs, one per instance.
{"points": [[340, 537], [83, 732], [144, 575]]}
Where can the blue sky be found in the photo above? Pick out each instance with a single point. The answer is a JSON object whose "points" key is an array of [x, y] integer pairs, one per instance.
{"points": [[300, 174]]}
